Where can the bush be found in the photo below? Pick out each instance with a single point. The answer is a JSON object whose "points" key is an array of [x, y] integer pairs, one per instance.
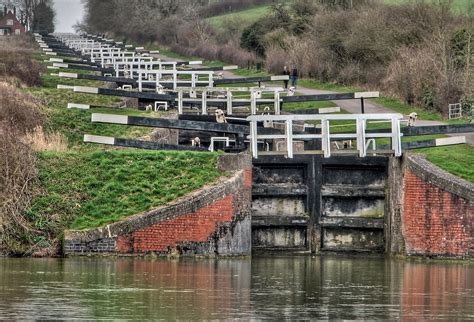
{"points": [[16, 60], [17, 182], [19, 115], [18, 110], [21, 121]]}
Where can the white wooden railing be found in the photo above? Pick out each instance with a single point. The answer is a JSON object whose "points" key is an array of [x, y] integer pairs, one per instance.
{"points": [[361, 135], [199, 95]]}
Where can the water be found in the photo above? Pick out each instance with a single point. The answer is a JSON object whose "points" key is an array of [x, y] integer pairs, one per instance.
{"points": [[327, 287]]}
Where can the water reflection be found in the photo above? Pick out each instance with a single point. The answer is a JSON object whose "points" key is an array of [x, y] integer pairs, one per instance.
{"points": [[291, 287]]}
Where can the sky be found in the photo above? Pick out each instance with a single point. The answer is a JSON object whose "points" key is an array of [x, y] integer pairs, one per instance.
{"points": [[68, 13]]}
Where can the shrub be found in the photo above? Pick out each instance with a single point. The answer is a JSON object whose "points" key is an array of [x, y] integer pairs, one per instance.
{"points": [[17, 182], [18, 110], [16, 60]]}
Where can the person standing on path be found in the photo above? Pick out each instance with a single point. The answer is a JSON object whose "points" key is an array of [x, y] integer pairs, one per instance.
{"points": [[294, 76], [286, 72]]}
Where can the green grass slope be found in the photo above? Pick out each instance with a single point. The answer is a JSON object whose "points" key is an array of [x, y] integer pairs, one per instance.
{"points": [[89, 189], [244, 17], [458, 6]]}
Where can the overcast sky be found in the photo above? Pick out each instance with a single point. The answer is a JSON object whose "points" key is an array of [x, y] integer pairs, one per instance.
{"points": [[68, 13]]}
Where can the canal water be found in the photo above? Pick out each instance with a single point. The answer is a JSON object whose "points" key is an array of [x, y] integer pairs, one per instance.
{"points": [[329, 287]]}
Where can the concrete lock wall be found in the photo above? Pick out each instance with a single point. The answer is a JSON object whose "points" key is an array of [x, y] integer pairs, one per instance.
{"points": [[214, 221]]}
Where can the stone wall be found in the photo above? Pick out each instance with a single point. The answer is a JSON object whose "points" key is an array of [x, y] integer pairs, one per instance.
{"points": [[212, 221], [437, 211]]}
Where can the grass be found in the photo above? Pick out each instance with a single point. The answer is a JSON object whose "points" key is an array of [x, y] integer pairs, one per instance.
{"points": [[455, 159], [244, 72], [245, 17], [307, 105], [406, 109], [96, 188], [315, 84], [73, 123], [458, 6]]}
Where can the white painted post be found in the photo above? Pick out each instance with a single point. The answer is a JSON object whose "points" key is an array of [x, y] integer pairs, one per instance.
{"points": [[360, 128], [396, 137], [289, 138], [229, 102], [276, 97], [140, 86], [175, 80], [253, 137], [180, 102], [204, 103], [325, 139], [253, 103], [211, 79]]}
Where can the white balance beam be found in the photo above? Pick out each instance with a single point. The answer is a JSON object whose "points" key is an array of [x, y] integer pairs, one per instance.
{"points": [[65, 87], [78, 106], [327, 110], [86, 89], [279, 77], [366, 94], [109, 118], [68, 75], [99, 139], [450, 140], [230, 67]]}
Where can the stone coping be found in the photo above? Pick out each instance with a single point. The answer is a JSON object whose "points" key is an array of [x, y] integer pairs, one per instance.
{"points": [[184, 205], [438, 177]]}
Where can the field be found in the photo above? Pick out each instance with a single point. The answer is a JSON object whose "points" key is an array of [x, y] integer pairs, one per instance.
{"points": [[245, 17], [458, 6]]}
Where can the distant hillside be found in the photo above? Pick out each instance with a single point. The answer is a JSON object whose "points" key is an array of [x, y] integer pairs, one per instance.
{"points": [[459, 6], [246, 17]]}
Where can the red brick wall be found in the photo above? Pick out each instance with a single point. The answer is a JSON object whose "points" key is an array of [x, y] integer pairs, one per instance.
{"points": [[194, 227], [248, 178], [435, 222], [198, 226]]}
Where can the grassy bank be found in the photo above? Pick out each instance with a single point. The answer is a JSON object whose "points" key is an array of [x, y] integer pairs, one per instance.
{"points": [[74, 123], [89, 189], [457, 159]]}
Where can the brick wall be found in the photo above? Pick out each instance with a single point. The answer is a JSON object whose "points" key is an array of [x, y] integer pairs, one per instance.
{"points": [[195, 227], [212, 221], [437, 216]]}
